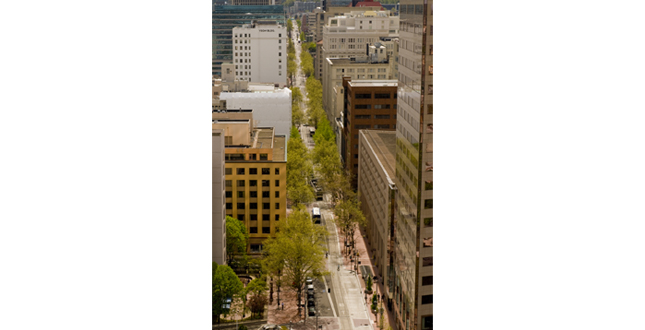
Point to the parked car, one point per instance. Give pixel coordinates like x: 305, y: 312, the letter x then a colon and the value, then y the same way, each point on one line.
x: 312, y: 311
x: 311, y: 301
x: 310, y: 289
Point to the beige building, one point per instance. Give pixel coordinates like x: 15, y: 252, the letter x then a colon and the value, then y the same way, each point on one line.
x: 376, y: 66
x: 255, y: 173
x: 219, y: 216
x: 376, y: 172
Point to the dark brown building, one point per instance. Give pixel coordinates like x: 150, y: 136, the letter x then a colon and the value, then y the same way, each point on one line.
x: 367, y: 104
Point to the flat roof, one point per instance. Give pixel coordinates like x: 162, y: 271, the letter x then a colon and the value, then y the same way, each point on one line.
x: 383, y: 144
x: 373, y: 83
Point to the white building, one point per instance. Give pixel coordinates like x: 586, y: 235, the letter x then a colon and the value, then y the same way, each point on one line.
x: 260, y: 52
x: 271, y: 106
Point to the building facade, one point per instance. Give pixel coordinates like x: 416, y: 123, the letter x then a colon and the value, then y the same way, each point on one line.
x: 219, y: 216
x: 255, y: 177
x: 359, y: 67
x: 226, y: 17
x: 413, y: 255
x: 377, y: 190
x: 260, y: 52
x: 368, y: 104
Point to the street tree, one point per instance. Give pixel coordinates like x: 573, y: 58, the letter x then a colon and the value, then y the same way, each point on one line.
x: 349, y: 216
x: 257, y: 289
x: 299, y: 168
x: 237, y: 238
x: 226, y: 285
x: 299, y: 245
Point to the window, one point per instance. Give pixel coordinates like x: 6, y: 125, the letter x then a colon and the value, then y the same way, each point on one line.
x: 426, y: 322
x: 265, y: 206
x: 427, y: 261
x: 240, y: 171
x: 381, y: 126
x: 265, y: 171
x: 277, y: 206
x: 265, y: 194
x: 277, y: 217
x: 253, y: 170
x: 265, y: 217
x: 383, y: 116
x: 253, y: 183
x: 427, y: 242
x: 426, y: 280
x: 362, y: 106
x: 254, y: 217
x: 279, y: 35
x: 426, y: 299
x: 428, y: 203
x: 240, y: 194
x: 355, y: 156
x: 277, y: 183
x: 240, y: 205
x: 229, y: 194
x: 253, y: 206
x: 362, y: 117
x: 229, y: 206
x: 240, y: 183
x: 362, y: 126
x: 279, y: 54
x: 363, y: 96
x: 264, y: 156
x: 253, y: 230
x: 253, y: 157
x: 427, y: 222
x: 428, y: 185
x: 382, y: 96
x: 382, y: 106
x: 277, y: 171
x: 277, y: 194
x: 266, y: 230
x: 256, y: 247
x: 228, y: 171
x: 265, y: 183
x: 429, y: 109
x: 229, y: 183
x: 253, y: 194
x: 240, y: 217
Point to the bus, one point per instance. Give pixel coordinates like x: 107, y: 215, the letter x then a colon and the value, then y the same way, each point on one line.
x: 315, y: 215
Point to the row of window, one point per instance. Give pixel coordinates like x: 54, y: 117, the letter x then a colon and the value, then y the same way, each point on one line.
x: 243, y: 157
x: 248, y: 35
x: 252, y: 183
x: 252, y: 206
x: 252, y: 194
x: 254, y: 217
x: 265, y: 230
x: 252, y: 170
x: 369, y: 126
x: 376, y: 95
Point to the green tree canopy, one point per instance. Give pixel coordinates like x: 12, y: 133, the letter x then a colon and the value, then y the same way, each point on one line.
x: 236, y: 238
x: 299, y: 246
x: 225, y: 285
x: 299, y: 168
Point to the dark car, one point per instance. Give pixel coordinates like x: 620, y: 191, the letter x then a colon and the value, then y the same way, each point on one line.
x: 312, y: 311
x: 311, y: 302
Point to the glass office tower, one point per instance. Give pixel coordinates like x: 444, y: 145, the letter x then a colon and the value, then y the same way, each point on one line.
x: 412, y: 264
x: 226, y: 17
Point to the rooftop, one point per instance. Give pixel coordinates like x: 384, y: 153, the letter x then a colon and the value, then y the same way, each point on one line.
x: 383, y: 144
x: 373, y: 83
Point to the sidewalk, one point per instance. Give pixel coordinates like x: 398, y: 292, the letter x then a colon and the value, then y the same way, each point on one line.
x: 365, y: 257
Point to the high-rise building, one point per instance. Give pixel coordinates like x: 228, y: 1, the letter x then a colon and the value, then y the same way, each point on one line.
x: 373, y: 66
x: 377, y: 190
x: 226, y: 17
x: 260, y: 52
x: 255, y: 176
x: 219, y: 216
x: 368, y: 104
x: 412, y: 282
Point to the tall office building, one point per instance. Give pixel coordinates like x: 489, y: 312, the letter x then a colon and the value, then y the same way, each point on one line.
x: 255, y: 172
x: 260, y: 52
x: 226, y: 17
x: 412, y: 264
x: 219, y: 217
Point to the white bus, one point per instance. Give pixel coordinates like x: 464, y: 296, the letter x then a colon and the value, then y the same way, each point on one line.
x: 315, y: 215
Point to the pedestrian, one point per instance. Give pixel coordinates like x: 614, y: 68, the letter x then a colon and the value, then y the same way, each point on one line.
x: 283, y: 305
